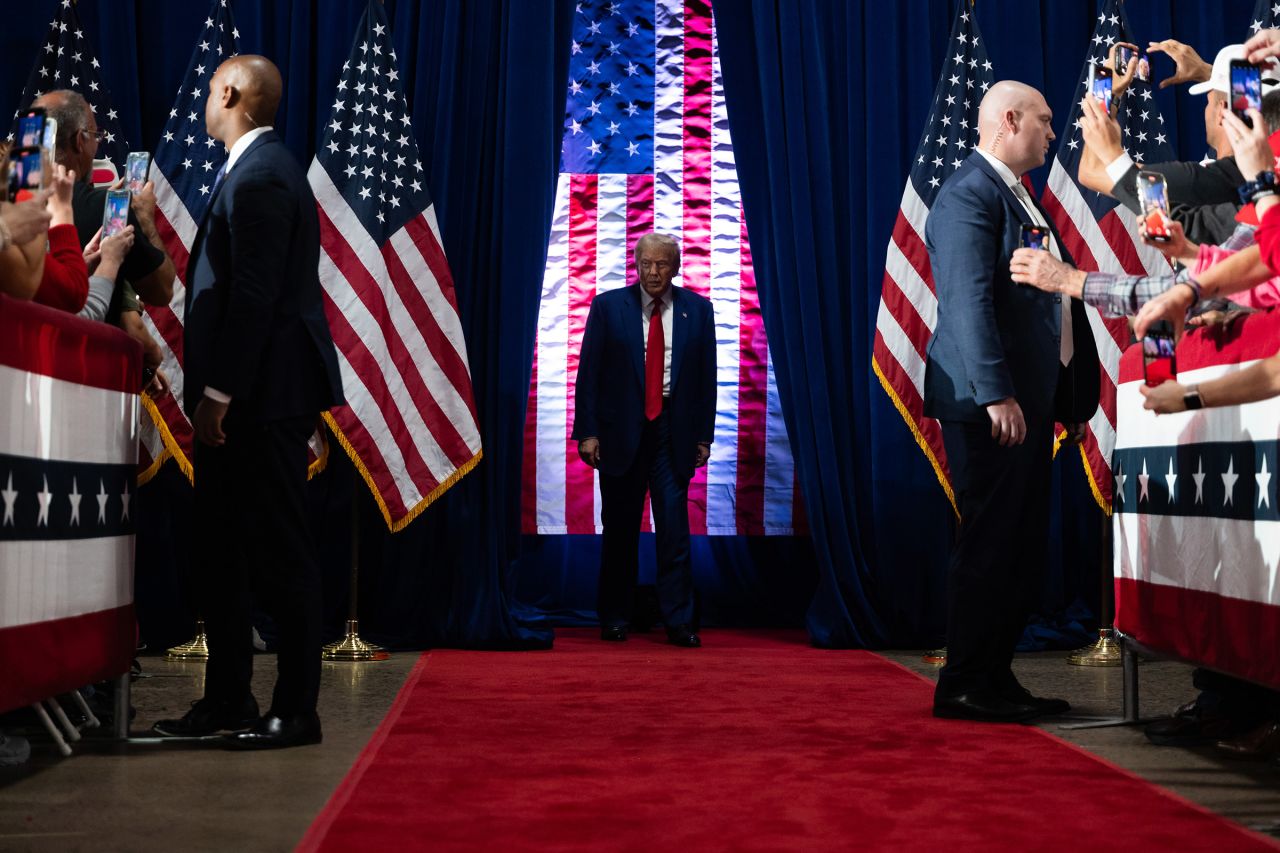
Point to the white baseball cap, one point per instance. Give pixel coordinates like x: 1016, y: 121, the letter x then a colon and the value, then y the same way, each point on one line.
x: 1220, y: 79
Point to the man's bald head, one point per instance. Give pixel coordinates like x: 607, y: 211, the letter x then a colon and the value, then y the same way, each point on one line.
x: 244, y: 93
x: 1014, y: 125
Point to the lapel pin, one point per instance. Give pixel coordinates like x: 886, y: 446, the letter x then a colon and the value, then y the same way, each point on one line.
x: 682, y: 314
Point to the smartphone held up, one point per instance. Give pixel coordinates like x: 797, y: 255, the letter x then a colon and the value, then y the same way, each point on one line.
x: 1035, y: 237
x: 1159, y: 355
x: 1246, y: 89
x: 1101, y: 87
x: 1155, y: 206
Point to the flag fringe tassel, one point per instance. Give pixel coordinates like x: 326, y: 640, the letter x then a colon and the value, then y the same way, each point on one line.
x: 919, y: 436
x: 171, y: 447
x: 417, y: 509
x: 1093, y: 484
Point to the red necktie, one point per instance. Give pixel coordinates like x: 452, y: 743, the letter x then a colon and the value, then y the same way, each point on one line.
x: 654, y: 356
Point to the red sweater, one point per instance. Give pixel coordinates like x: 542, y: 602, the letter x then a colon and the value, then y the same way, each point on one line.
x: 65, y: 283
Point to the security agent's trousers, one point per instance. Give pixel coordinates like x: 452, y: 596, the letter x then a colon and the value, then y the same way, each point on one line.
x: 253, y: 537
x: 997, y: 562
x: 622, y: 503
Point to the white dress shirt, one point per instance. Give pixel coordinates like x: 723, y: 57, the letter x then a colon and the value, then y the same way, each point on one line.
x: 1066, y: 346
x: 646, y: 311
x: 236, y: 152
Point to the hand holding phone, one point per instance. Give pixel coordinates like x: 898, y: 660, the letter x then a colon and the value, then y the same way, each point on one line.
x: 1159, y: 355
x: 1101, y: 88
x: 1154, y: 196
x: 115, y: 214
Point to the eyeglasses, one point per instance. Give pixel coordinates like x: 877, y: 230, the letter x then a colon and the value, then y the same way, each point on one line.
x: 100, y: 135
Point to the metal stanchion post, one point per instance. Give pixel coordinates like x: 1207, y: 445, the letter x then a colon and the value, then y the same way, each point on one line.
x: 121, y: 724
x: 351, y: 647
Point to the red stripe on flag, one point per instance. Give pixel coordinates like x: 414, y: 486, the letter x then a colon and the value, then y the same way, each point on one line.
x: 753, y: 397
x: 529, y: 465
x: 43, y: 659
x: 912, y: 246
x: 1121, y: 241
x: 173, y: 244
x: 371, y: 457
x: 902, y: 310
x: 370, y: 294
x: 695, y: 267
x: 1071, y: 236
x: 911, y: 401
x: 579, y: 479
x: 371, y: 373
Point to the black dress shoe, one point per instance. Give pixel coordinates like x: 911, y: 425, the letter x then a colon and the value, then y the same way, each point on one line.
x: 983, y: 707
x: 210, y: 716
x: 614, y: 633
x: 683, y: 636
x: 272, y: 732
x: 1047, y: 707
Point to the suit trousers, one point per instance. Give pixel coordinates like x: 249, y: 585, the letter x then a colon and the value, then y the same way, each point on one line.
x: 622, y: 503
x: 254, y: 537
x: 998, y: 560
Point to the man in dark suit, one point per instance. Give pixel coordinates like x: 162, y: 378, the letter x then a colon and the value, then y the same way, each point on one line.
x: 1005, y: 362
x: 645, y: 412
x: 260, y: 366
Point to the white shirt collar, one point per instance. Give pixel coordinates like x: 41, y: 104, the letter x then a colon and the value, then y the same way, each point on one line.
x: 1002, y: 170
x: 237, y: 150
x: 646, y: 300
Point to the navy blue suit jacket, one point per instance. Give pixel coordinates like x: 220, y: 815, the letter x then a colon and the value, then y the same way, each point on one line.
x: 995, y: 338
x: 609, y: 397
x: 255, y: 324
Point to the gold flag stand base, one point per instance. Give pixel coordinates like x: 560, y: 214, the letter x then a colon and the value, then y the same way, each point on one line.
x: 197, y: 648
x: 935, y: 657
x: 1105, y: 652
x: 352, y: 648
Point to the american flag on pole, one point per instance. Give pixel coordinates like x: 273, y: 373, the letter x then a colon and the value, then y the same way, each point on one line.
x: 1266, y: 14
x: 409, y: 423
x: 647, y: 148
x: 66, y: 61
x: 1102, y: 235
x: 186, y: 161
x: 908, y: 302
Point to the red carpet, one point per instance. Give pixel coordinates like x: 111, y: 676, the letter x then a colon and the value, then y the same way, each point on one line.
x: 754, y: 742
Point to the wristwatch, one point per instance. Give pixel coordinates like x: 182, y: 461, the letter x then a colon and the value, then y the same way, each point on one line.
x: 1191, y: 399
x: 1263, y: 185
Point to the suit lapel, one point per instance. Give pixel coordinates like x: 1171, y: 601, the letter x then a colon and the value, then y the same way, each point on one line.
x: 632, y: 328
x: 1012, y: 201
x: 679, y: 332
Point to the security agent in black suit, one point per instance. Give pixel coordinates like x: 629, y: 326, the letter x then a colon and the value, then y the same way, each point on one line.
x: 260, y: 367
x: 1005, y: 362
x: 644, y: 416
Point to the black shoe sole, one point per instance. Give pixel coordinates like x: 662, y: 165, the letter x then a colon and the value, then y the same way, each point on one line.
x: 956, y: 714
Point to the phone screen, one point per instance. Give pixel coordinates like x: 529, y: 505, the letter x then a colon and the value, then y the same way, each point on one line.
x: 135, y: 170
x: 1102, y: 86
x: 1035, y: 237
x: 31, y: 129
x: 49, y: 139
x: 1124, y: 54
x: 115, y: 214
x: 1155, y: 205
x: 26, y: 173
x: 1159, y: 357
x: 1246, y: 89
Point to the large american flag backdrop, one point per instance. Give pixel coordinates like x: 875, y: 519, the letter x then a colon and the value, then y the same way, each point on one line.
x: 1266, y: 14
x: 186, y: 162
x: 647, y: 147
x: 68, y: 451
x: 67, y: 61
x: 1198, y: 513
x: 1103, y: 235
x: 409, y: 423
x: 908, y: 310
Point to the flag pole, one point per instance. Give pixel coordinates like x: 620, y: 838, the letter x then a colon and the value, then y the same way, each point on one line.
x: 352, y: 648
x: 1106, y: 650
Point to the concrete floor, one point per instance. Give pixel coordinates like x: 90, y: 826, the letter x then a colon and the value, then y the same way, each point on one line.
x: 165, y: 798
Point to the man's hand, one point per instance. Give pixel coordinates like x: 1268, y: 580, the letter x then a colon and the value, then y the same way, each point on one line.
x: 1042, y: 270
x: 1189, y: 67
x: 144, y: 204
x: 1264, y: 45
x: 1008, y: 426
x: 1206, y: 319
x: 27, y: 220
x: 704, y: 453
x: 108, y: 254
x: 1177, y: 247
x: 1250, y: 144
x: 61, y: 185
x: 1172, y: 305
x: 159, y: 385
x: 208, y: 421
x: 1100, y: 131
x: 1164, y: 399
x: 1075, y: 434
x: 1122, y: 78
x: 589, y: 451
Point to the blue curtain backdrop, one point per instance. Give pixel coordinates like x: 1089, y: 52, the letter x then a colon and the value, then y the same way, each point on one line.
x: 826, y: 101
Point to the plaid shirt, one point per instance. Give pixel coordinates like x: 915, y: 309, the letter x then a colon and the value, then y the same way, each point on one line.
x: 1122, y: 295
